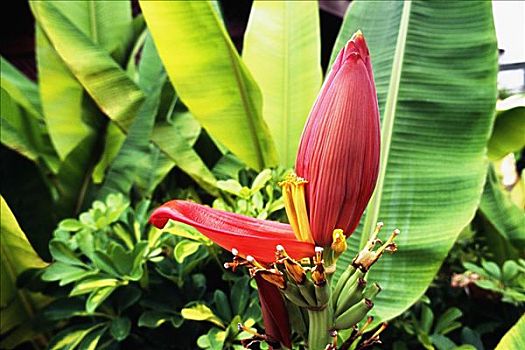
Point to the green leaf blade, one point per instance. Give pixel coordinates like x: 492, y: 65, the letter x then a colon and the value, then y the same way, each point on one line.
x: 436, y: 87
x: 210, y: 78
x: 107, y: 83
x: 17, y: 255
x: 282, y: 50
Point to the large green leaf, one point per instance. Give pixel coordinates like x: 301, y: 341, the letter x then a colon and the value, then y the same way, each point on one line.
x: 134, y: 152
x: 74, y: 176
x: 20, y: 88
x: 282, y: 50
x: 514, y: 339
x: 435, y: 67
x: 114, y: 138
x: 159, y: 166
x: 61, y: 97
x: 17, y: 306
x: 506, y: 221
x: 23, y: 127
x: 175, y: 132
x: 12, y: 134
x: 509, y: 128
x: 210, y: 78
x: 70, y: 115
x: 64, y: 104
x: 80, y: 56
x: 109, y: 86
x: 109, y: 25
x: 183, y: 154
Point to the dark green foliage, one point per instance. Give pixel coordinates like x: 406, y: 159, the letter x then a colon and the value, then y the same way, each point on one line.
x: 115, y: 280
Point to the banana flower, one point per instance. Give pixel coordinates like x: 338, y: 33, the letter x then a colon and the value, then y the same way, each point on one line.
x: 336, y: 171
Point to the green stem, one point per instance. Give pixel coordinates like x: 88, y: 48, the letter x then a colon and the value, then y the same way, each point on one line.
x: 320, y: 324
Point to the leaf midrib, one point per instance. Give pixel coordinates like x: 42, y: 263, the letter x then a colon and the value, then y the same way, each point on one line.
x: 93, y: 21
x: 374, y: 206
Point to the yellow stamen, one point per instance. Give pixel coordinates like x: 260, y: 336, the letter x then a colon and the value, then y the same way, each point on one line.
x: 290, y: 210
x: 295, y: 205
x: 339, y: 242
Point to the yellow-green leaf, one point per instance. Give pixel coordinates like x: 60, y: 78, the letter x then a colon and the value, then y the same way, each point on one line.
x: 210, y: 77
x: 18, y: 306
x: 509, y: 129
x: 201, y: 312
x: 107, y: 83
x: 282, y: 49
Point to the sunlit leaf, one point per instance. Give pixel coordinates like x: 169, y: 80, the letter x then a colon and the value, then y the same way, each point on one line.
x: 18, y: 306
x: 282, y: 49
x: 184, y: 249
x: 113, y: 91
x: 505, y: 221
x: 201, y: 312
x: 210, y: 78
x: 509, y: 128
x: 435, y: 66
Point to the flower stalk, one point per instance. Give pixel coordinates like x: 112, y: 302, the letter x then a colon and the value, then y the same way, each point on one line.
x: 319, y: 328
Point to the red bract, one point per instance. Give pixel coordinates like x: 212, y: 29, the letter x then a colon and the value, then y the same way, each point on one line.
x: 275, y: 316
x: 247, y: 235
x: 339, y: 150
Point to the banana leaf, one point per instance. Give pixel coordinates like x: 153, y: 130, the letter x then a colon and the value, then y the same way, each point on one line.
x: 18, y: 306
x: 435, y: 66
x: 282, y: 49
x: 210, y: 78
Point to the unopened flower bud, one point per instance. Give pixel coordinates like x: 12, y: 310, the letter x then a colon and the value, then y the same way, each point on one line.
x: 340, y: 144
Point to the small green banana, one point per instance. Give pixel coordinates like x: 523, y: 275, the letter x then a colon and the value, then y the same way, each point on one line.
x: 353, y: 315
x: 292, y: 293
x: 349, y: 271
x: 349, y: 289
x: 308, y: 292
x: 372, y: 291
x: 322, y: 294
x: 350, y: 297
